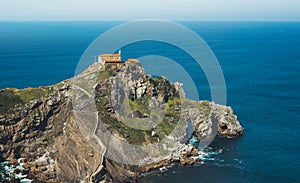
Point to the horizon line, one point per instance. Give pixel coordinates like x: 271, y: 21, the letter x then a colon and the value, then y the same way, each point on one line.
x: 129, y: 20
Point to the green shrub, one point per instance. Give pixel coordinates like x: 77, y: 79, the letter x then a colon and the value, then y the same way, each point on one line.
x: 204, y: 107
x: 103, y: 75
x: 11, y: 97
x: 8, y: 100
x: 141, y: 104
x: 30, y: 94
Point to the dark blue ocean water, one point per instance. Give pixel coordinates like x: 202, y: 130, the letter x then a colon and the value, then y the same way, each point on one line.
x: 261, y: 65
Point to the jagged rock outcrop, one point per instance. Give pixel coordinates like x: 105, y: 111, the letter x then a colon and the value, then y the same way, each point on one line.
x: 207, y: 117
x: 210, y: 118
x: 45, y: 132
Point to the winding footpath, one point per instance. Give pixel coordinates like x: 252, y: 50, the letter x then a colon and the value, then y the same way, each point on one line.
x: 103, y: 147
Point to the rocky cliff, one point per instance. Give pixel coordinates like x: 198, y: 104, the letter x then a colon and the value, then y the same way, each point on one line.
x: 44, y: 133
x: 51, y: 128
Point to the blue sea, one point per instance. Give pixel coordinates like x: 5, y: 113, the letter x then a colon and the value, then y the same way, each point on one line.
x: 261, y: 66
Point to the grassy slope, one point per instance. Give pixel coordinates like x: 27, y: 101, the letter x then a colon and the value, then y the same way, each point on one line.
x: 11, y: 97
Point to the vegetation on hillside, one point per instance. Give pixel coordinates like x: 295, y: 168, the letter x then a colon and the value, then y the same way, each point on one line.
x: 135, y: 136
x: 11, y: 97
x: 8, y: 100
x: 204, y: 107
x: 140, y: 104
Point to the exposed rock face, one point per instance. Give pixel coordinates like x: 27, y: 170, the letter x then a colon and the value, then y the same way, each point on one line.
x: 228, y: 125
x: 211, y: 118
x: 131, y: 81
x: 32, y: 123
x: 45, y: 132
x: 120, y: 173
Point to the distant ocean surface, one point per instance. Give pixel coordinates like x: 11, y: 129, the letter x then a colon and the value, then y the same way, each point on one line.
x: 261, y: 65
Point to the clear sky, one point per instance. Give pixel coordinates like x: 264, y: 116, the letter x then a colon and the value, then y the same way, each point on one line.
x: 257, y: 10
